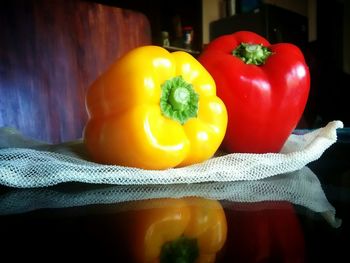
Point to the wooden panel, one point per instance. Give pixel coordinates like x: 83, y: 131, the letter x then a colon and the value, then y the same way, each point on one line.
x: 50, y: 52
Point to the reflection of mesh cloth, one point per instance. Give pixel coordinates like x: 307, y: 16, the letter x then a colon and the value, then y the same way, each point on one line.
x: 300, y: 187
x: 25, y: 163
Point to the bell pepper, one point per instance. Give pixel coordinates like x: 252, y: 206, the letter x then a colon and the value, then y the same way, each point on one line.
x: 173, y: 230
x: 265, y: 89
x: 268, y: 231
x: 154, y: 110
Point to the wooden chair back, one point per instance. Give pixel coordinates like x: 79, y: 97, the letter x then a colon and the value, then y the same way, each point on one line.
x: 50, y: 52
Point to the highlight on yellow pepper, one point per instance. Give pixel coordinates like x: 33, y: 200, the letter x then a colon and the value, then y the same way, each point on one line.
x: 191, y: 230
x: 154, y: 109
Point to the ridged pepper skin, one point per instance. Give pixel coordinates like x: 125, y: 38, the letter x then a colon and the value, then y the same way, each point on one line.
x: 168, y: 229
x: 154, y: 109
x: 264, y: 86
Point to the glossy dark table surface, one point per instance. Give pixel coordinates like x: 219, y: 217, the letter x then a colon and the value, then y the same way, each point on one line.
x: 33, y: 226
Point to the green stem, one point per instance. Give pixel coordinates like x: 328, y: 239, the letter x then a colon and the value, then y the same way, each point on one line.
x: 255, y: 54
x: 179, y: 98
x: 178, y: 101
x: 181, y: 250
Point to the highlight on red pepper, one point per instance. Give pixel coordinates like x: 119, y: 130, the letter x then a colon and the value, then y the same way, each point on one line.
x: 154, y: 110
x: 164, y: 230
x: 264, y: 86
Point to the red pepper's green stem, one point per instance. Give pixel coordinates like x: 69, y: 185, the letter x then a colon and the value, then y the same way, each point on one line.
x: 178, y: 101
x: 252, y: 53
x: 181, y: 250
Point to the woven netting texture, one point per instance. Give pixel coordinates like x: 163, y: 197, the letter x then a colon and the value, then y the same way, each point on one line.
x: 301, y: 187
x: 26, y: 163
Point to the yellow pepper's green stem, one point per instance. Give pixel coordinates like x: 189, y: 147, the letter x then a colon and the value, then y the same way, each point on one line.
x: 181, y: 250
x: 178, y: 101
x: 179, y: 98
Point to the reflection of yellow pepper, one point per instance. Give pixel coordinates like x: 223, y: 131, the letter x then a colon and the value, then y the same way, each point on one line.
x: 167, y: 230
x: 154, y: 109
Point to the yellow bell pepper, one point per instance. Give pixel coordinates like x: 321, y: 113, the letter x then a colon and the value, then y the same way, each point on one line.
x: 154, y: 110
x: 191, y: 230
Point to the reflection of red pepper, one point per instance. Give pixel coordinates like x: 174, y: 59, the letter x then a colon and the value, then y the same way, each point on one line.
x: 268, y: 234
x: 264, y: 87
x: 162, y: 230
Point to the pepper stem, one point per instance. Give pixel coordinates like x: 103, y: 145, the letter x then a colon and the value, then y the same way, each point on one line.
x: 179, y: 97
x: 181, y: 250
x: 252, y: 53
x: 178, y: 101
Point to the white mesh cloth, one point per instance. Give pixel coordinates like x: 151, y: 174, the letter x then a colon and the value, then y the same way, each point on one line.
x: 301, y: 187
x: 26, y: 163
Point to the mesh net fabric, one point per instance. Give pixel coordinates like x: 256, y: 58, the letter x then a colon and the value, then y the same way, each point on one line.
x: 301, y: 187
x: 26, y: 163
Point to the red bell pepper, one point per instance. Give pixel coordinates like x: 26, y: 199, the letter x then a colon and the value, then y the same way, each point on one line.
x: 264, y: 87
x: 268, y: 231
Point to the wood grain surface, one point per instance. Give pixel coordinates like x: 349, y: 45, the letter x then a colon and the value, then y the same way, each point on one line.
x: 50, y: 52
